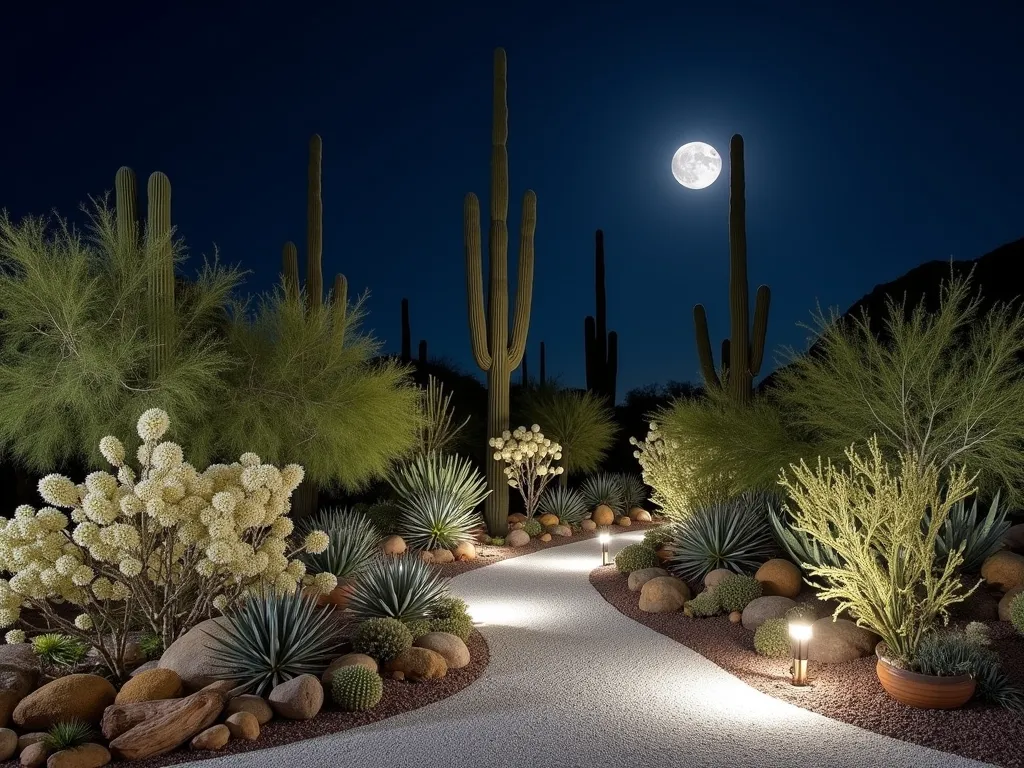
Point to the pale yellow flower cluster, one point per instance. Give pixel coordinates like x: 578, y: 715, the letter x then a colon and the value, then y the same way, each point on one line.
x: 134, y: 535
x: 529, y: 458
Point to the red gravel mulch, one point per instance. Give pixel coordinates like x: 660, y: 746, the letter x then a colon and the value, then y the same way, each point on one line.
x: 850, y: 692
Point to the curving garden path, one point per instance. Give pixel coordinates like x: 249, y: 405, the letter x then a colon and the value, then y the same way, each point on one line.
x: 574, y: 683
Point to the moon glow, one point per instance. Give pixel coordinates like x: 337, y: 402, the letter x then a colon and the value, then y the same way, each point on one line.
x: 696, y: 165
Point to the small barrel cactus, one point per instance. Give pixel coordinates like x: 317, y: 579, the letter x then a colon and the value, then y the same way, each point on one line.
x: 734, y: 594
x: 771, y: 639
x: 705, y: 604
x: 636, y: 557
x: 381, y: 639
x: 533, y: 528
x: 356, y: 688
x: 497, y: 541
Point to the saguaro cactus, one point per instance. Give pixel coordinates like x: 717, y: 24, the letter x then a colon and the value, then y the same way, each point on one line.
x: 743, y: 351
x: 160, y: 285
x: 406, y: 333
x: 493, y: 350
x: 601, y: 347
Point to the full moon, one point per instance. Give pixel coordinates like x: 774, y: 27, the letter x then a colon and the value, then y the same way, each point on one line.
x: 696, y: 165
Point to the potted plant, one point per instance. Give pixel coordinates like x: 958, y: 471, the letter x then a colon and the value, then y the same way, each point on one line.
x: 886, y: 573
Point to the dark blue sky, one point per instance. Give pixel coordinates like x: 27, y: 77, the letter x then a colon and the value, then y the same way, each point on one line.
x: 876, y: 139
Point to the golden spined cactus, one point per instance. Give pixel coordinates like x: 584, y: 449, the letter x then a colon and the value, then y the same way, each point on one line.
x: 743, y: 351
x: 314, y: 288
x: 495, y: 352
x: 160, y: 283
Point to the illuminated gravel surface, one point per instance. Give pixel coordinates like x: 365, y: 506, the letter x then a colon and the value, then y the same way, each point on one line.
x: 572, y: 682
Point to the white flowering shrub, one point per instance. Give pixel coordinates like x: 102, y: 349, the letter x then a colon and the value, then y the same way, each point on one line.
x: 163, y: 547
x: 667, y: 469
x: 529, y: 462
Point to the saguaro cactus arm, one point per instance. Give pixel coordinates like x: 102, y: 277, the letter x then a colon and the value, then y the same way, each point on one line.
x: 126, y: 204
x: 704, y: 353
x: 760, y: 331
x: 475, y: 282
x: 290, y: 270
x: 524, y: 280
x: 161, y: 282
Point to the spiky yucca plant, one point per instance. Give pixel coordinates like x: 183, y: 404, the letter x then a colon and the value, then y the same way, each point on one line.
x: 732, y: 535
x: 353, y: 543
x: 272, y: 638
x: 979, y: 538
x: 603, y: 488
x: 59, y: 650
x: 567, y: 504
x: 68, y: 734
x: 403, y: 588
x: 438, y: 496
x: 634, y: 492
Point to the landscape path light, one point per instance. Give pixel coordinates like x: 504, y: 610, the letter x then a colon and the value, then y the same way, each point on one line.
x: 605, y: 539
x: 800, y: 640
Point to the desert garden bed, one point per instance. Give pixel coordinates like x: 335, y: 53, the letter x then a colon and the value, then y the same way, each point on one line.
x: 850, y: 691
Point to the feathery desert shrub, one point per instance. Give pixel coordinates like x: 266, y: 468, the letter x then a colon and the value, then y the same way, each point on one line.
x: 581, y: 422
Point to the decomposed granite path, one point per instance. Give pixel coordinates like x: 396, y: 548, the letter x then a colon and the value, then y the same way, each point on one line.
x: 573, y: 683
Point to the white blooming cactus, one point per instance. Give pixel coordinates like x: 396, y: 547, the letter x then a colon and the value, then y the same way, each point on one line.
x: 163, y: 548
x: 529, y: 458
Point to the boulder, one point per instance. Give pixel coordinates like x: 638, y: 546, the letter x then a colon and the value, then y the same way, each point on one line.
x: 213, y: 738
x: 780, y: 578
x: 759, y: 610
x: 153, y: 685
x: 8, y: 744
x: 33, y: 737
x: 192, y: 654
x: 603, y: 515
x: 452, y: 649
x: 518, y: 538
x: 15, y: 685
x: 1013, y: 539
x: 243, y: 725
x: 297, y: 699
x: 393, y: 545
x: 34, y: 755
x: 624, y: 522
x: 547, y: 520
x: 833, y: 642
x: 20, y: 657
x: 637, y: 579
x: 1004, y: 570
x: 1004, y: 602
x: 252, y: 704
x: 716, y: 577
x: 348, y: 660
x: 545, y: 537
x: 465, y: 550
x: 154, y: 664
x: 562, y: 530
x: 85, y: 756
x: 418, y: 664
x: 441, y: 556
x: 72, y: 697
x: 172, y: 723
x: 588, y: 525
x: 663, y: 594
x: 640, y: 515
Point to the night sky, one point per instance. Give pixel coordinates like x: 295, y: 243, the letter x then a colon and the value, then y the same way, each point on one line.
x: 875, y: 140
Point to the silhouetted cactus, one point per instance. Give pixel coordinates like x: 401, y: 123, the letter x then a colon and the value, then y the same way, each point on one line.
x: 423, y: 352
x: 493, y: 350
x: 406, y: 333
x: 160, y: 285
x: 743, y: 351
x: 601, y: 347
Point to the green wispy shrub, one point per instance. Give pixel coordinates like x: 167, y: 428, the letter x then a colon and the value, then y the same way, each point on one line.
x: 581, y: 422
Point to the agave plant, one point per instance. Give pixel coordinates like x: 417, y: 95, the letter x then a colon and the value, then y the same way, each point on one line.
x: 567, y: 504
x: 68, y: 734
x: 734, y: 534
x: 271, y: 638
x: 403, y: 588
x: 979, y: 539
x: 59, y: 650
x: 353, y: 543
x: 801, y: 548
x: 603, y: 488
x: 438, y: 496
x: 634, y: 492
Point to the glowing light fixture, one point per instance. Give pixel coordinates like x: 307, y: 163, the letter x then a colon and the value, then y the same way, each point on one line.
x: 605, y: 539
x: 800, y: 640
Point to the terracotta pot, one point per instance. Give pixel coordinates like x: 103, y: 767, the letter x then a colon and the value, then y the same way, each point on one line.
x: 339, y: 596
x: 925, y: 691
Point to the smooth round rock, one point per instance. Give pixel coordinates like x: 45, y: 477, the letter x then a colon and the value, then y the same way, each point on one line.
x: 735, y: 617
x: 545, y: 537
x: 624, y: 522
x: 603, y: 515
x: 255, y: 705
x: 663, y: 594
x: 85, y: 756
x: 518, y: 538
x: 588, y: 525
x: 780, y: 578
x: 393, y: 545
x: 297, y: 699
x: 348, y: 660
x: 72, y: 697
x: 716, y: 577
x: 833, y: 642
x: 243, y: 725
x: 8, y: 743
x: 759, y: 610
x: 562, y: 530
x: 637, y: 579
x: 34, y: 755
x: 1004, y: 570
x: 154, y: 685
x: 547, y: 520
x: 465, y: 550
x: 418, y: 664
x: 441, y: 556
x: 454, y: 652
x: 192, y: 654
x: 213, y: 738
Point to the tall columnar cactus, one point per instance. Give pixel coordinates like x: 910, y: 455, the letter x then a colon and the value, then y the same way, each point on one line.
x: 601, y: 347
x: 160, y: 285
x: 423, y: 352
x: 406, y: 333
x: 743, y: 351
x: 493, y: 350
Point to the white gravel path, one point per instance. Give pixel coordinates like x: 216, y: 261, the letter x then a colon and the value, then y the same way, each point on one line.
x: 573, y: 683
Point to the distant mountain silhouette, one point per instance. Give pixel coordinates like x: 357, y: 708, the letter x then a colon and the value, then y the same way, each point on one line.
x: 996, y: 275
